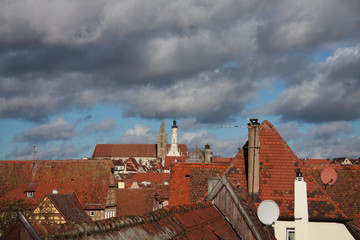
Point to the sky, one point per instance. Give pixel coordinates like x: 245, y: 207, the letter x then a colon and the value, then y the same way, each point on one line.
x: 76, y: 73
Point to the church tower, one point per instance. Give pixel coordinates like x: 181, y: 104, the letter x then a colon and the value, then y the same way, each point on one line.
x: 174, y: 151
x: 162, y: 141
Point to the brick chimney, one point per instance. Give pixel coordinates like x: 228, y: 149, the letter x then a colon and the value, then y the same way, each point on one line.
x: 253, y: 159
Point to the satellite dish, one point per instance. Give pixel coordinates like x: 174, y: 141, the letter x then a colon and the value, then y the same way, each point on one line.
x: 328, y: 176
x: 268, y: 212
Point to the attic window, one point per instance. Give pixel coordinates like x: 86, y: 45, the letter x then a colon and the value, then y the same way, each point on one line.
x: 187, y: 175
x: 29, y: 194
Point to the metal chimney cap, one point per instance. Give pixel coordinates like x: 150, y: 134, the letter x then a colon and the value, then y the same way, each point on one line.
x: 298, y: 173
x: 253, y: 121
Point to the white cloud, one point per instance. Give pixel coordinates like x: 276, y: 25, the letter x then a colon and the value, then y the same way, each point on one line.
x: 59, y: 129
x: 139, y: 134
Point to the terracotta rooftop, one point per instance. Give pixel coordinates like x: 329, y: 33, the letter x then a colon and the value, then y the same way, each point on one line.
x: 313, y: 162
x: 170, y: 160
x: 130, y: 150
x: 278, y: 164
x: 124, y: 150
x: 345, y: 191
x: 89, y: 179
x: 153, y: 178
x: 196, y: 221
x: 134, y: 202
x: 222, y: 160
x: 189, y: 181
x: 69, y: 207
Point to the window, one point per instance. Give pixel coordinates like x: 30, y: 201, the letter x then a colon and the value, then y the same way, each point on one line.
x: 92, y: 213
x: 290, y: 234
x: 29, y: 194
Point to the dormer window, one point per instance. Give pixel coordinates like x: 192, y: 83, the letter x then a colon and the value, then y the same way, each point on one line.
x: 29, y: 194
x: 30, y: 189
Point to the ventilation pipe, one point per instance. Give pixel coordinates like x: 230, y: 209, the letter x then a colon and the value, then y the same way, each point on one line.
x: 253, y: 159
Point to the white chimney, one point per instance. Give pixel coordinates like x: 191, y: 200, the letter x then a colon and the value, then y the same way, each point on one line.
x: 301, y: 207
x: 55, y: 191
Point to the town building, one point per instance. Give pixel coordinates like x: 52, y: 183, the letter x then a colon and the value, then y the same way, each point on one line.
x: 267, y: 169
x: 92, y: 181
x: 58, y: 209
x: 145, y: 154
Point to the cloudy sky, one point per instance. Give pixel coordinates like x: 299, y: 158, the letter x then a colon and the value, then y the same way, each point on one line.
x: 77, y: 73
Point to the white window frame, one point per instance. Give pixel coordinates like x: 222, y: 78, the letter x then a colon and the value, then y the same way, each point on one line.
x: 289, y: 230
x: 30, y: 194
x: 92, y: 213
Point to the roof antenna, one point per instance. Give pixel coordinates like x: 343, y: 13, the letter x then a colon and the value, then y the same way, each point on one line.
x: 34, y: 152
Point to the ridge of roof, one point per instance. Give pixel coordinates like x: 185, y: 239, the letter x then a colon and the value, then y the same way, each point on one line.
x: 277, y: 161
x: 191, y: 221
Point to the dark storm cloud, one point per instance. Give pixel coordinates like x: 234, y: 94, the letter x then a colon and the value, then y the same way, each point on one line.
x: 157, y: 57
x: 328, y: 92
x: 329, y: 140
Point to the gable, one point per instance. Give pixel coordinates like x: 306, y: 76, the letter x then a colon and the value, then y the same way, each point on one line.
x: 278, y: 165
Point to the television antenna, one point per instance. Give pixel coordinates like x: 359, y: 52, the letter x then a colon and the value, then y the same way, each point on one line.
x: 268, y: 212
x: 251, y: 122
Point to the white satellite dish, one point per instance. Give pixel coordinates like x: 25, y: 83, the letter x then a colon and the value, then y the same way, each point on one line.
x: 268, y: 212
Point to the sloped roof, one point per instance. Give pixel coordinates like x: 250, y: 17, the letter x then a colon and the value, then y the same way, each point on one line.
x: 69, y: 206
x: 131, y: 150
x: 313, y: 162
x: 345, y: 191
x: 278, y: 164
x: 169, y: 160
x: 89, y: 179
x: 189, y: 181
x: 196, y: 221
x: 154, y: 178
x: 124, y: 150
x: 222, y: 160
x: 134, y: 202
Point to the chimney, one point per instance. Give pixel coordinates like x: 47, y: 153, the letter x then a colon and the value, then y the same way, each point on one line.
x: 208, y: 154
x: 253, y: 159
x: 55, y: 191
x: 300, y: 207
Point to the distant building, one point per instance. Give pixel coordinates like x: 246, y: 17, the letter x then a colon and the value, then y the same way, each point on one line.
x: 145, y: 154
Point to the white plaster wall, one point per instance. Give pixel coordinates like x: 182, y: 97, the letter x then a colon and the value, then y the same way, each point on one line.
x: 316, y: 230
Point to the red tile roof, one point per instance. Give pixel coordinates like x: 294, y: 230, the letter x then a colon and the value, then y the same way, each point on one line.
x: 313, y: 162
x: 345, y: 191
x: 189, y: 181
x: 70, y: 207
x: 89, y: 179
x: 196, y: 221
x: 170, y: 160
x: 124, y: 150
x: 222, y: 160
x: 154, y: 178
x: 130, y: 150
x: 134, y: 202
x: 278, y: 164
